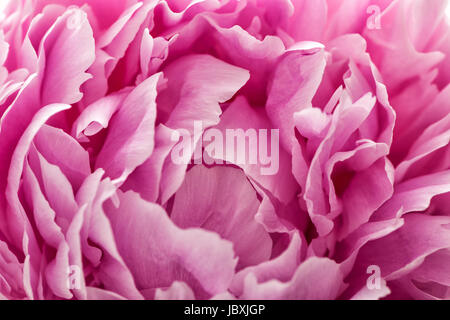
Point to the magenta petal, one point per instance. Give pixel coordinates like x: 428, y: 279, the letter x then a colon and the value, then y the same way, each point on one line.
x: 94, y: 293
x: 11, y: 273
x: 56, y: 187
x: 434, y: 268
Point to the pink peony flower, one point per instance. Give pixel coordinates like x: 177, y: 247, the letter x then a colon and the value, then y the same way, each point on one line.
x: 225, y: 149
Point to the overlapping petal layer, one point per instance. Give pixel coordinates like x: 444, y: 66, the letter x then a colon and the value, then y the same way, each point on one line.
x: 342, y: 170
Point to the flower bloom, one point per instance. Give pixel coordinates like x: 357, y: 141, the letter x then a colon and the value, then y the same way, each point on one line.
x: 340, y: 188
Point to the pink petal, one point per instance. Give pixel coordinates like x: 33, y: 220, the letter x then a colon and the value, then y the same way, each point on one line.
x: 55, y: 146
x: 66, y: 50
x: 278, y: 179
x: 177, y: 291
x: 97, y: 115
x: 281, y: 268
x: 165, y: 252
x: 292, y: 92
x: 414, y: 195
x: 314, y: 279
x: 98, y: 241
x: 147, y: 177
x: 130, y: 139
x: 181, y: 104
x: 226, y: 203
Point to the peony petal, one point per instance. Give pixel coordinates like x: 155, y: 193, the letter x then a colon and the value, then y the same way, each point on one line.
x: 314, y: 279
x: 19, y: 223
x: 97, y: 115
x: 56, y: 188
x: 55, y: 146
x: 291, y: 92
x: 147, y: 177
x: 182, y: 103
x: 275, y: 175
x: 94, y: 293
x: 434, y: 268
x: 66, y: 50
x: 226, y: 203
x: 97, y: 238
x: 424, y: 151
x: 403, y: 250
x: 165, y: 252
x: 130, y: 139
x: 281, y: 268
x: 177, y: 291
x: 414, y: 195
